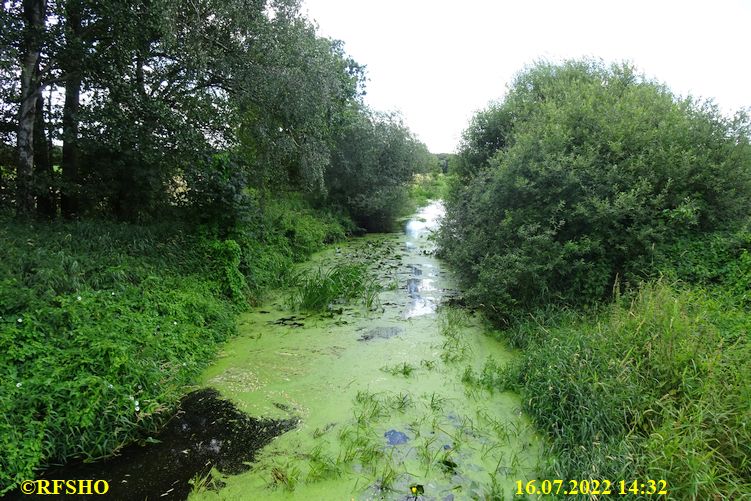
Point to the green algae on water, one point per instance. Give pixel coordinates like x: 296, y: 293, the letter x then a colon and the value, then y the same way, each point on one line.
x: 379, y: 395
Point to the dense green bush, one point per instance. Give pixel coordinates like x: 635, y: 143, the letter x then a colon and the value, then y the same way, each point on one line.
x: 579, y: 175
x: 720, y: 260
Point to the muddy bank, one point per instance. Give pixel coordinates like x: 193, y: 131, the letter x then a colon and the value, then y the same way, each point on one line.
x: 206, y: 432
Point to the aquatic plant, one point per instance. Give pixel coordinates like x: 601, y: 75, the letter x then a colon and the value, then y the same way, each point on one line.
x: 326, y: 288
x: 322, y: 465
x: 403, y: 369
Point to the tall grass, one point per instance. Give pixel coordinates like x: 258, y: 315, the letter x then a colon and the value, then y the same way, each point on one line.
x: 649, y: 387
x: 325, y: 288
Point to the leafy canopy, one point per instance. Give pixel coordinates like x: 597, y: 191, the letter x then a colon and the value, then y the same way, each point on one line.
x: 574, y: 181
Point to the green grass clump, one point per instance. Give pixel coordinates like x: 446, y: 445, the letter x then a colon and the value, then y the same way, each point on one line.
x: 403, y: 369
x: 322, y: 289
x: 454, y: 347
x: 649, y: 387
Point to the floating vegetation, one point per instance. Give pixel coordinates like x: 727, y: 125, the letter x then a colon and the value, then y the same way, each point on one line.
x: 385, y: 413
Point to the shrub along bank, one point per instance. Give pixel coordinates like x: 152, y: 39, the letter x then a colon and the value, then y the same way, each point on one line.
x: 583, y: 182
x: 102, y: 324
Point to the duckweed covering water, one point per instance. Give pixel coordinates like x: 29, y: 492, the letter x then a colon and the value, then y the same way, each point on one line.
x: 378, y: 393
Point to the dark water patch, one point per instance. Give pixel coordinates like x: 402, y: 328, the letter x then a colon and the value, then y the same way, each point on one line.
x: 396, y: 437
x: 206, y: 432
x: 448, y: 466
x: 380, y: 333
x: 292, y: 321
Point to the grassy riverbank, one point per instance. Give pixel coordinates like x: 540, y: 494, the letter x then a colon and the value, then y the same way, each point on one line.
x: 653, y: 386
x: 103, y: 324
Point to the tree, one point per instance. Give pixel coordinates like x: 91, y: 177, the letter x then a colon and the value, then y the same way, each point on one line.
x: 597, y: 168
x: 375, y: 158
x: 294, y: 101
x: 34, y: 14
x: 72, y: 61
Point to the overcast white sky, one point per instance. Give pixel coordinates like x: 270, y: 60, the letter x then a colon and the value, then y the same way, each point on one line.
x: 438, y: 61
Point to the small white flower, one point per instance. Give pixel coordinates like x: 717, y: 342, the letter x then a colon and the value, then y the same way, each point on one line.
x: 137, y: 408
x: 20, y: 320
x: 79, y: 298
x: 136, y: 404
x: 184, y: 364
x: 132, y: 397
x: 113, y: 293
x: 110, y: 386
x: 18, y: 385
x: 175, y: 323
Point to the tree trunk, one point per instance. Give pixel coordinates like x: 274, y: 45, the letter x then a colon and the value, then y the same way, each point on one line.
x: 69, y: 196
x: 34, y: 13
x: 42, y: 164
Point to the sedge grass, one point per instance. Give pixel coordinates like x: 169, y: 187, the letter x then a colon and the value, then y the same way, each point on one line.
x: 322, y: 289
x: 649, y: 387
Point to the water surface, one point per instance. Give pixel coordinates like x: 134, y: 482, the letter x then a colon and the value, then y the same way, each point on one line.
x: 378, y: 395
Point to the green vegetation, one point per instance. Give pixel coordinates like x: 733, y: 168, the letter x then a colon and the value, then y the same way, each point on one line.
x: 403, y: 369
x: 103, y: 324
x: 655, y: 385
x: 324, y: 289
x: 579, y: 178
x: 375, y: 160
x: 602, y: 224
x: 189, y: 158
x: 428, y: 186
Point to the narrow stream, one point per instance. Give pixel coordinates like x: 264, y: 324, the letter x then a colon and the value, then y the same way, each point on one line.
x: 381, y: 407
x: 358, y: 404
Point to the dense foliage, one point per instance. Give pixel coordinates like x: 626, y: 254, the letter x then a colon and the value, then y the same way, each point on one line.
x: 103, y: 324
x: 166, y: 162
x: 575, y: 180
x: 586, y: 184
x: 375, y: 159
x: 169, y: 110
